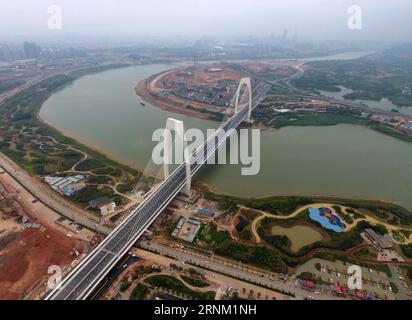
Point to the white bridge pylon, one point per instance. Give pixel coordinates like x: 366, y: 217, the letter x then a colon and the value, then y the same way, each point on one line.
x: 244, y: 82
x: 181, y: 151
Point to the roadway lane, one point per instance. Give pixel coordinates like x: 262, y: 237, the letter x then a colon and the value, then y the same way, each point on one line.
x: 235, y: 270
x: 50, y: 199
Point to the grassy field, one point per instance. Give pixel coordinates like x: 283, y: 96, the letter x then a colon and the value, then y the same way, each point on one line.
x: 280, y: 253
x: 210, y: 235
x: 285, y: 205
x: 314, y: 119
x: 194, y: 282
x: 371, y: 79
x: 390, y: 132
x: 332, y: 240
x: 42, y: 150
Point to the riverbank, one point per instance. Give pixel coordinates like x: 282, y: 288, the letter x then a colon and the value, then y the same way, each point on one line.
x: 305, y: 119
x: 148, y: 91
x: 42, y: 150
x: 135, y: 105
x: 282, y: 206
x: 58, y: 134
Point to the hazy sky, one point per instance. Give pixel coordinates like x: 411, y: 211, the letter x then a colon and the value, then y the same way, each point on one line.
x: 312, y: 19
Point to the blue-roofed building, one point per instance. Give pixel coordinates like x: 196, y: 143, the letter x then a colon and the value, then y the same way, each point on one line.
x: 204, y: 213
x: 187, y: 229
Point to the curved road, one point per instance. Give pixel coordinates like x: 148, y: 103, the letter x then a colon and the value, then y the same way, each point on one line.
x: 52, y: 200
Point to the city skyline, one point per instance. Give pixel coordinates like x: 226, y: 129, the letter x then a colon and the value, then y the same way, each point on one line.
x: 213, y: 150
x: 314, y: 20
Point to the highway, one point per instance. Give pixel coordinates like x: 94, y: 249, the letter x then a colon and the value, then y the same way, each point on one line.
x: 81, y: 282
x: 50, y: 199
x: 235, y: 270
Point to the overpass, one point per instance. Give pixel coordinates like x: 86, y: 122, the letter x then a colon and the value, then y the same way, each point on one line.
x: 82, y: 281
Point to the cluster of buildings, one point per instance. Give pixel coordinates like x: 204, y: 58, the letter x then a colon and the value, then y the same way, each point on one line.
x: 31, y: 50
x: 320, y: 106
x: 66, y: 185
x: 407, y: 90
x: 195, y: 85
x: 278, y: 107
x: 308, y: 108
x: 219, y: 95
x: 341, y: 291
x: 26, y: 72
x: 383, y: 244
x: 398, y: 122
x: 25, y: 64
x: 204, y: 214
x: 187, y: 229
x: 105, y: 205
x: 378, y: 241
x: 267, y: 68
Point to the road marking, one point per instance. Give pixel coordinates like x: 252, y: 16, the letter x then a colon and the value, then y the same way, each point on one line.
x: 108, y: 251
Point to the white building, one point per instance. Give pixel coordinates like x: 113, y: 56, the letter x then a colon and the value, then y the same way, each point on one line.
x: 107, y: 208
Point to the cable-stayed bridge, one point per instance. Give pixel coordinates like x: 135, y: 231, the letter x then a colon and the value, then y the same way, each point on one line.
x: 84, y: 279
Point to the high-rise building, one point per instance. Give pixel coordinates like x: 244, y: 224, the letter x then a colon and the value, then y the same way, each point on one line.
x: 6, y: 54
x: 285, y: 35
x: 295, y: 37
x: 31, y: 50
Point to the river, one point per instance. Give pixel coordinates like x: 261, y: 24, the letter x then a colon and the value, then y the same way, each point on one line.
x: 384, y: 104
x: 102, y: 110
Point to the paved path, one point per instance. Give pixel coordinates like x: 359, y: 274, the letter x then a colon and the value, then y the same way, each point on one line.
x: 233, y: 269
x: 73, y: 170
x: 51, y: 199
x: 224, y: 281
x: 371, y: 220
x: 264, y: 214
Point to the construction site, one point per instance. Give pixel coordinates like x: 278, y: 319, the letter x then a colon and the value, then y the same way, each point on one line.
x: 32, y: 238
x: 200, y: 90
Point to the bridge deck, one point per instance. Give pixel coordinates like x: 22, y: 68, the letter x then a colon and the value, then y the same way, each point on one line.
x: 87, y: 275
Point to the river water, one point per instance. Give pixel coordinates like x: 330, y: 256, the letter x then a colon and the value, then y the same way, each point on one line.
x: 383, y: 104
x: 102, y: 110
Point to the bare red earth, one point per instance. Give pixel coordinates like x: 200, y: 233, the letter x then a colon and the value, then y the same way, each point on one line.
x: 24, y: 262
